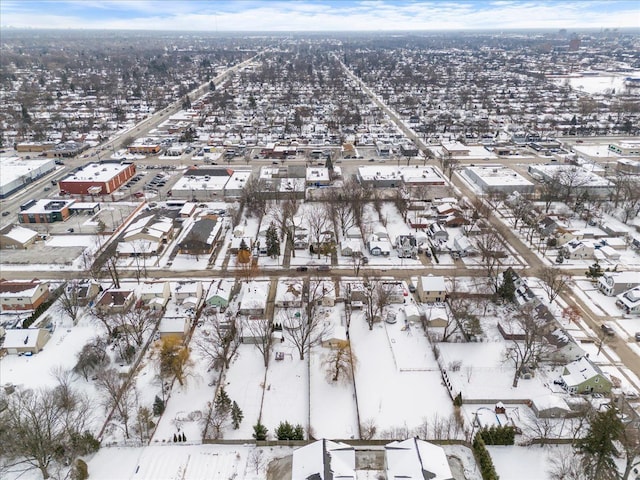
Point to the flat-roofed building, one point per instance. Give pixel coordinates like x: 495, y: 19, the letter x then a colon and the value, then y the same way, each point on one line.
x: 16, y: 173
x: 98, y: 178
x: 578, y: 179
x: 628, y: 148
x: 46, y: 211
x: 497, y: 178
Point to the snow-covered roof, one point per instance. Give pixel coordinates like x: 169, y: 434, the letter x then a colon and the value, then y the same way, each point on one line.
x: 310, y: 461
x: 21, y: 234
x: 579, y: 372
x: 432, y: 283
x: 95, y: 172
x: 21, y: 338
x: 415, y: 459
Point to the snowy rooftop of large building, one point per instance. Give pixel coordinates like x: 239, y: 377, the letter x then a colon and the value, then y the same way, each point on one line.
x: 12, y: 168
x: 97, y: 172
x: 46, y: 205
x: 494, y: 175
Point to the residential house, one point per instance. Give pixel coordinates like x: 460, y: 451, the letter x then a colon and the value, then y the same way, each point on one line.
x: 547, y: 227
x: 220, y: 293
x: 17, y: 237
x: 354, y: 233
x: 463, y: 246
x: 87, y: 290
x: 116, y: 300
x: 25, y: 340
x: 615, y: 283
x: 22, y: 294
x: 432, y: 289
x: 407, y: 246
x: 438, y: 232
x: 378, y: 246
x: 351, y: 247
x: 324, y: 460
x: 201, y: 238
x: 582, y: 376
x: 253, y: 298
x: 629, y: 301
x: 323, y: 292
x: 155, y: 295
x: 146, y: 237
x: 415, y: 459
x: 576, y: 249
x: 562, y: 347
x: 289, y: 294
x: 188, y: 294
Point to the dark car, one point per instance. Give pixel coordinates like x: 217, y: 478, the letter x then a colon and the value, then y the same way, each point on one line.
x: 5, y: 213
x: 302, y: 269
x: 412, y: 288
x: 607, y: 329
x: 324, y: 268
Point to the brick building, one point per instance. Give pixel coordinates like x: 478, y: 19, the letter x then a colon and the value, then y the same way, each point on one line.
x: 98, y: 179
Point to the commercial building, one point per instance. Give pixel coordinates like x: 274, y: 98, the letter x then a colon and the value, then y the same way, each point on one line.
x: 45, y: 211
x: 16, y: 173
x: 497, y: 178
x: 210, y: 183
x: 576, y: 179
x: 98, y: 178
x: 627, y: 149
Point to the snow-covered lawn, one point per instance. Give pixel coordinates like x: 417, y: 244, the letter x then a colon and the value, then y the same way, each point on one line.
x: 244, y: 383
x: 327, y: 422
x: 390, y: 397
x: 525, y: 463
x: 286, y: 395
x: 178, y: 462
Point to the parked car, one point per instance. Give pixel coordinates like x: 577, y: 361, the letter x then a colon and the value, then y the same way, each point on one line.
x: 302, y: 269
x: 5, y: 213
x: 324, y: 268
x: 637, y: 336
x: 412, y: 288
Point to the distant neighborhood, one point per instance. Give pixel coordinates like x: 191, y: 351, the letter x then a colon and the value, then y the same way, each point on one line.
x: 306, y: 258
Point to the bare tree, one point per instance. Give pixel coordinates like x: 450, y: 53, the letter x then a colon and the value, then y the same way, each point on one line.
x: 553, y: 281
x: 564, y: 465
x: 69, y: 301
x: 136, y: 323
x: 340, y: 363
x: 377, y: 296
x: 491, y: 252
x: 256, y: 460
x: 118, y: 396
x: 219, y: 341
x: 528, y: 345
x: 340, y: 209
x: 541, y: 429
x: 260, y: 330
x: 40, y: 429
x: 91, y: 358
x: 318, y: 222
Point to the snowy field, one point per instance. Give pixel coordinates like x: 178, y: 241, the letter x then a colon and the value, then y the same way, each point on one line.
x: 524, y: 463
x: 392, y: 398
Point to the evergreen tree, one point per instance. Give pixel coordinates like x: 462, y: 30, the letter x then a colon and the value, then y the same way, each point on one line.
x: 158, y: 406
x: 507, y: 290
x: 597, y: 447
x: 273, y: 242
x: 260, y: 431
x: 175, y: 438
x: 184, y: 438
x: 236, y: 415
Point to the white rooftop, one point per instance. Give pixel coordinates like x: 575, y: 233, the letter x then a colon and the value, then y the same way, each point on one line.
x: 95, y: 172
x: 495, y: 175
x: 415, y: 459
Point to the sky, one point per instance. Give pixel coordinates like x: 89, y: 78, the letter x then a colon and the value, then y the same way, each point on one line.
x: 319, y: 15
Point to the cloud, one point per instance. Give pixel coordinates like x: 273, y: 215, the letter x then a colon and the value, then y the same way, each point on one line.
x: 330, y: 15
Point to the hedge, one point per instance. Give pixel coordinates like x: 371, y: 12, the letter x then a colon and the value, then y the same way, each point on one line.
x: 483, y: 458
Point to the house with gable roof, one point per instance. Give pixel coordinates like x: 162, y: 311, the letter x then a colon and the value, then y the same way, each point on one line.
x: 324, y: 460
x: 582, y: 376
x: 415, y: 459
